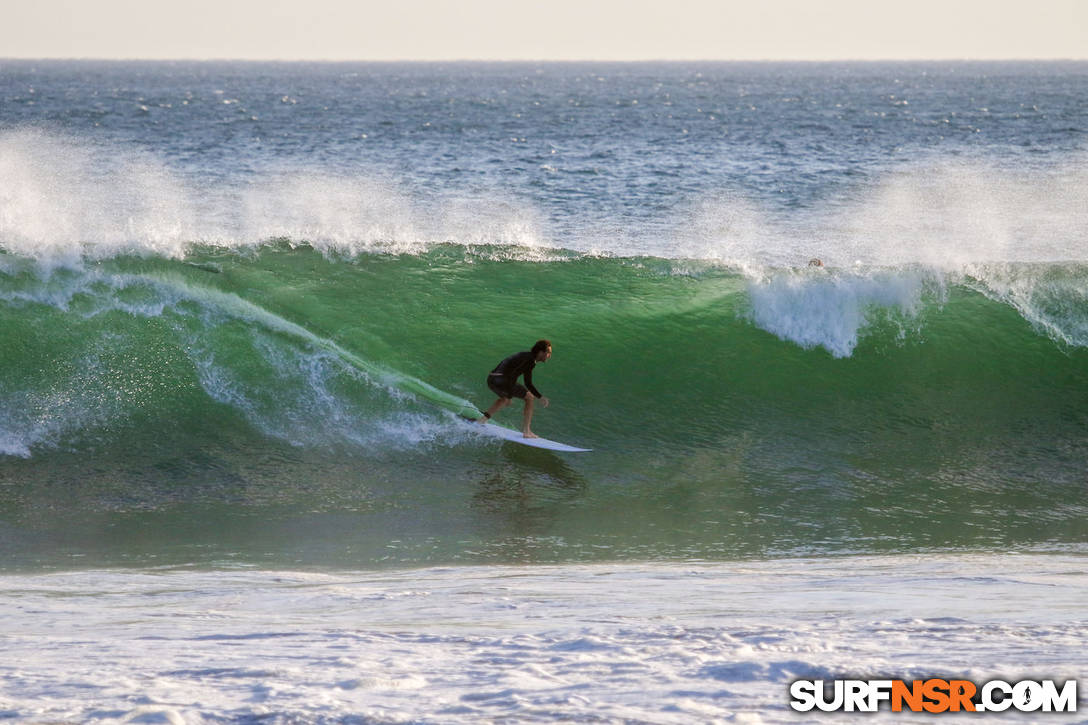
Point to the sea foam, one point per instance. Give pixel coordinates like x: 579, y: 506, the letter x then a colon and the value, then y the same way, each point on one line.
x: 664, y: 643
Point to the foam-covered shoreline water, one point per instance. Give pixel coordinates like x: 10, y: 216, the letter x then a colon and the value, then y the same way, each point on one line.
x: 69, y: 198
x: 654, y: 643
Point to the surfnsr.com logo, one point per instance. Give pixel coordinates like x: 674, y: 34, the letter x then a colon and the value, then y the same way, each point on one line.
x: 933, y: 695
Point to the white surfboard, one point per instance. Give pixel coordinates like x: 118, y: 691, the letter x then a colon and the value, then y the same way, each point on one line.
x: 515, y: 436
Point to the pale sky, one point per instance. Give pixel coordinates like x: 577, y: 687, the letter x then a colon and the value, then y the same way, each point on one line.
x: 545, y: 30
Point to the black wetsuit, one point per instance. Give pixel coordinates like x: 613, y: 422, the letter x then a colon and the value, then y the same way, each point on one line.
x: 503, y: 380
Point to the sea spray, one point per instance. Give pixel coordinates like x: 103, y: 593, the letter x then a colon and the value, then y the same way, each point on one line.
x: 66, y: 200
x: 834, y: 308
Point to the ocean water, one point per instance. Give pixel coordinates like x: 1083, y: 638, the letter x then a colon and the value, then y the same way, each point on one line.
x: 243, y: 307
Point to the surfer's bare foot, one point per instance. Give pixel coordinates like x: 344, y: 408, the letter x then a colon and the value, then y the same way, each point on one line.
x: 530, y: 434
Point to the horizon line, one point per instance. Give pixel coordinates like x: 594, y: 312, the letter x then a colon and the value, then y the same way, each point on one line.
x: 230, y: 59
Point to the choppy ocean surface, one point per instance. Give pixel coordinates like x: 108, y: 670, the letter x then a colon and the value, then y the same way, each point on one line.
x: 243, y: 305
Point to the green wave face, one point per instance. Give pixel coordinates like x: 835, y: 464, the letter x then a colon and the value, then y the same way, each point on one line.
x: 730, y: 412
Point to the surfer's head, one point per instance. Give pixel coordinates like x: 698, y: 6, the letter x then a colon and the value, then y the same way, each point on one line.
x: 542, y: 350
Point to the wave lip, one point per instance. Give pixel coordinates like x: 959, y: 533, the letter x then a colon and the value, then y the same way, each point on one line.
x: 831, y: 309
x: 1053, y: 298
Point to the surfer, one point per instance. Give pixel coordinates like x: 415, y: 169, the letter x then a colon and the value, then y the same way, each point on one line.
x: 503, y: 381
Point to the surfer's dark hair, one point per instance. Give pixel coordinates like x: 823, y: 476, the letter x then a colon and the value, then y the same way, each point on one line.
x: 541, y: 345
